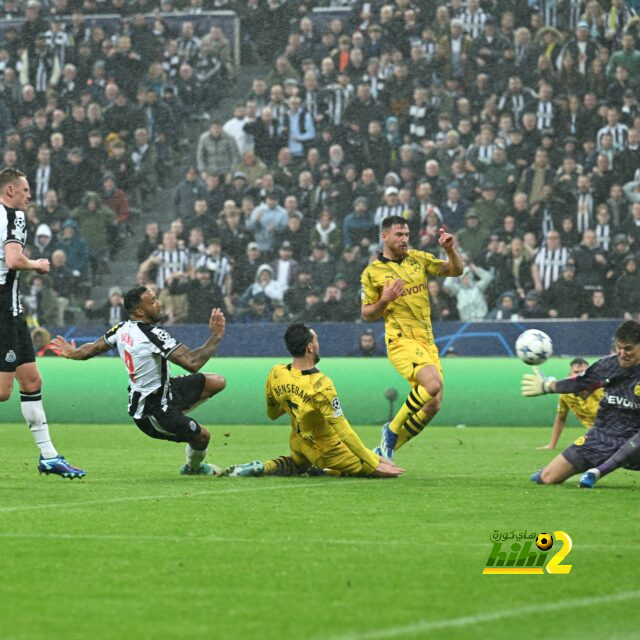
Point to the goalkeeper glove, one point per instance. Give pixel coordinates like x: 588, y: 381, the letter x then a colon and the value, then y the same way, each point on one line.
x: 536, y: 384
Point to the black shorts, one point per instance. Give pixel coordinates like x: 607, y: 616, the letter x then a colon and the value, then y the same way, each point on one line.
x: 596, y: 446
x: 171, y: 423
x: 16, y: 347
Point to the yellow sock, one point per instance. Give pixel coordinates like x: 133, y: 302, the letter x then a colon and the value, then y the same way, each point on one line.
x: 411, y: 428
x: 417, y: 398
x: 282, y: 466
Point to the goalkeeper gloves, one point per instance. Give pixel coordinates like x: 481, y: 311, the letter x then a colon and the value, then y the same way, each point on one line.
x: 536, y: 384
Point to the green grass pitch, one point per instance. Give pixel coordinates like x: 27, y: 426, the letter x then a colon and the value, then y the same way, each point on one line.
x: 136, y: 551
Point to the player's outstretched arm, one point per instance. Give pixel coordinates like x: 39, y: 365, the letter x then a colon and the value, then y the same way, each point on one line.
x: 558, y: 427
x: 453, y: 267
x: 391, y: 291
x: 17, y: 261
x: 84, y: 352
x: 194, y: 360
x: 536, y: 384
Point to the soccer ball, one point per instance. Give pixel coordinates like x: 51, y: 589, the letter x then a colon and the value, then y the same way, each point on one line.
x: 544, y: 541
x: 533, y: 346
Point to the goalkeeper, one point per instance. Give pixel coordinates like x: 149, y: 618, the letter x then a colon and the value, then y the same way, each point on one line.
x: 609, y: 444
x: 321, y: 437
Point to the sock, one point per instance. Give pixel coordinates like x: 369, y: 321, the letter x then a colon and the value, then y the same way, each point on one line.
x: 282, y: 466
x: 416, y: 400
x: 33, y: 412
x: 412, y: 427
x: 195, y: 457
x: 630, y: 449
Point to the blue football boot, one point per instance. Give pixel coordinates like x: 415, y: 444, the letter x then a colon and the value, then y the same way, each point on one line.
x: 59, y: 467
x: 589, y: 479
x: 535, y: 477
x: 388, y: 441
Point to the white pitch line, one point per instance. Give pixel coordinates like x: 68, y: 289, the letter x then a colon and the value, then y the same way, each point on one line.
x: 355, y: 542
x: 188, y: 538
x: 427, y: 626
x: 173, y: 496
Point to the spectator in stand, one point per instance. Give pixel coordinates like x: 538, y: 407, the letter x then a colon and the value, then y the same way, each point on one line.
x: 627, y: 290
x: 443, y: 306
x: 111, y: 312
x: 217, y: 152
x: 266, y: 220
x: 469, y: 292
x: 150, y: 242
x: 565, y: 297
x: 597, y: 306
x: 202, y: 292
x: 187, y: 192
x: 75, y: 250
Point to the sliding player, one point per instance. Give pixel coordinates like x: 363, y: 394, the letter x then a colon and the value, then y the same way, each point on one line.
x: 583, y: 405
x: 321, y: 437
x: 395, y: 287
x: 157, y: 402
x: 618, y: 416
x: 17, y: 358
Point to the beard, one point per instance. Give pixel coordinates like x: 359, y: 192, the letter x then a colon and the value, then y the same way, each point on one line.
x: 316, y: 358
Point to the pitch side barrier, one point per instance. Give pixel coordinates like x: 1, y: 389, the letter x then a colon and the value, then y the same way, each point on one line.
x: 490, y: 338
x: 202, y: 22
x: 477, y: 391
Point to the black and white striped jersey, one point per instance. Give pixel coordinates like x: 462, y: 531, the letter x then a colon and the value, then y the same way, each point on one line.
x: 13, y: 228
x: 550, y: 263
x: 145, y: 350
x: 172, y: 261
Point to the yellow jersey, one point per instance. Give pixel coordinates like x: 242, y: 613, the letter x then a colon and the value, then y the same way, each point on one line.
x: 409, y: 315
x: 585, y: 409
x: 311, y: 400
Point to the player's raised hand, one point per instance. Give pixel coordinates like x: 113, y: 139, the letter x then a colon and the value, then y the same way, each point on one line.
x: 217, y: 323
x: 65, y: 348
x: 392, y: 289
x: 535, y: 384
x: 445, y: 240
x: 387, y: 469
x: 42, y: 265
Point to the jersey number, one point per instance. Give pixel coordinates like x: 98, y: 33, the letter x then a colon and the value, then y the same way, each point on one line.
x: 128, y: 361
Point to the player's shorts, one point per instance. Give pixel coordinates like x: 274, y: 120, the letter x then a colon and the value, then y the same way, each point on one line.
x: 409, y: 355
x: 172, y: 424
x: 16, y: 347
x: 596, y: 446
x: 337, y: 457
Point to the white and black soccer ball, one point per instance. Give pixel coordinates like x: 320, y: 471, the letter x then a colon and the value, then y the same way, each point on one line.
x: 534, y: 346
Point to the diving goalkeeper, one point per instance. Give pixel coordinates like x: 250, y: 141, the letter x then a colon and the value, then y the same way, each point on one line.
x: 609, y: 444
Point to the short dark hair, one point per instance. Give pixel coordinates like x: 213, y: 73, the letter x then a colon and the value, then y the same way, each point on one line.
x: 387, y: 223
x: 297, y: 337
x: 133, y: 298
x: 9, y: 175
x: 576, y: 361
x: 628, y: 331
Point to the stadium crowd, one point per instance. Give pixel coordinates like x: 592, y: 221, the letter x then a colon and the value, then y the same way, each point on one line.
x: 513, y: 124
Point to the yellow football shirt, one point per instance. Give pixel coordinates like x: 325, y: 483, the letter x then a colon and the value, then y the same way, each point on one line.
x: 409, y: 315
x: 311, y: 400
x: 585, y: 409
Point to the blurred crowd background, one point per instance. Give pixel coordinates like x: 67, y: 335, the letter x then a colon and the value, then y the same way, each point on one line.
x: 258, y: 183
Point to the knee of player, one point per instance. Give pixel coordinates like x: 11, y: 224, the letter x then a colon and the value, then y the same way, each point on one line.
x: 216, y: 383
x: 202, y: 439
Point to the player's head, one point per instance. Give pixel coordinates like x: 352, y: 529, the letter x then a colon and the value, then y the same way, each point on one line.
x: 302, y: 341
x: 141, y: 304
x: 627, y: 343
x: 395, y: 236
x: 577, y: 366
x: 14, y: 188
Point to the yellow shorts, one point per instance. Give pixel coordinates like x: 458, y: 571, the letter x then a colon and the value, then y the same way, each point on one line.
x: 337, y: 457
x: 408, y: 356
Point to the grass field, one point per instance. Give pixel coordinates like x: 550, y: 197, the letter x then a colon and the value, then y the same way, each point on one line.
x: 136, y: 551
